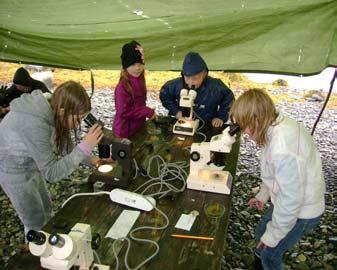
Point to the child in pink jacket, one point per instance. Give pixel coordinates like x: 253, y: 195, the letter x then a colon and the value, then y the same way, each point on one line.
x: 130, y: 93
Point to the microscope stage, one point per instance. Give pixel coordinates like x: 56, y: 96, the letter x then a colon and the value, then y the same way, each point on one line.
x: 186, y: 127
x: 212, y: 181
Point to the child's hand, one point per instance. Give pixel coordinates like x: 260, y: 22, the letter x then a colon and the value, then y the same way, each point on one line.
x: 179, y: 115
x: 261, y: 245
x: 4, y: 109
x: 94, y: 135
x: 217, y: 122
x: 256, y: 203
x: 154, y: 116
x: 96, y: 161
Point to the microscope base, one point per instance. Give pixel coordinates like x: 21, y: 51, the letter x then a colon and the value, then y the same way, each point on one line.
x: 186, y: 127
x: 100, y: 267
x: 115, y: 178
x: 211, y: 181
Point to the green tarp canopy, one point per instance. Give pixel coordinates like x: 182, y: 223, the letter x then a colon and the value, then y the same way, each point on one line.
x: 284, y: 36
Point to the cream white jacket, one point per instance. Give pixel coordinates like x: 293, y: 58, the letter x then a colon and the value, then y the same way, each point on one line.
x: 291, y: 171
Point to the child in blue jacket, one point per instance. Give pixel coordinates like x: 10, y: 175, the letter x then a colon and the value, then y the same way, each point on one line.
x: 213, y: 100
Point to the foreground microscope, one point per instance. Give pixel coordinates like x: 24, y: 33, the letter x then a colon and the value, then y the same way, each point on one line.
x: 187, y: 125
x: 205, y: 174
x: 63, y: 251
x: 120, y: 150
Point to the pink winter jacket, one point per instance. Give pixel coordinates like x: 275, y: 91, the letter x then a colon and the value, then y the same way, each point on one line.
x: 131, y: 112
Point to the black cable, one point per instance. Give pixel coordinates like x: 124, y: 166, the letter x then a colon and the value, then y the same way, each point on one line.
x: 326, y: 101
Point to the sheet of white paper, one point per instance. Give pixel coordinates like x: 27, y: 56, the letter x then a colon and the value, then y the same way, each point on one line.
x: 185, y: 222
x: 123, y: 224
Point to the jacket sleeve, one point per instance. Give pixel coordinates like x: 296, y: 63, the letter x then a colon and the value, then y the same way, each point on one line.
x: 38, y: 85
x: 263, y: 194
x: 226, y: 103
x: 169, y: 99
x: 287, y: 201
x: 125, y: 106
x: 39, y: 147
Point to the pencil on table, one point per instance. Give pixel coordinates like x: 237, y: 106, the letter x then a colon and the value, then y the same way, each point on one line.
x: 192, y: 237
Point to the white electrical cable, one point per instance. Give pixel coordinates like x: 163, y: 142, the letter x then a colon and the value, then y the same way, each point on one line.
x: 140, y: 240
x: 166, y: 172
x: 97, y: 257
x: 84, y: 194
x: 131, y: 233
x: 200, y: 127
x: 202, y: 121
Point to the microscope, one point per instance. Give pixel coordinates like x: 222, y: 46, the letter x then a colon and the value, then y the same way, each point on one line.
x: 186, y: 125
x: 205, y: 174
x: 63, y: 251
x: 120, y: 150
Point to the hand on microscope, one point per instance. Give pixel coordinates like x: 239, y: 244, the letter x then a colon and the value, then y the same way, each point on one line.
x: 154, y: 117
x: 96, y: 161
x: 94, y: 135
x: 179, y: 115
x: 217, y: 122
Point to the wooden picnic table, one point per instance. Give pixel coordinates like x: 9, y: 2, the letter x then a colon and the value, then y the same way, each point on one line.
x: 175, y: 253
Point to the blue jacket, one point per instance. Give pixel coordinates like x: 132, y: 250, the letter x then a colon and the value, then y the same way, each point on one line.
x: 213, y: 100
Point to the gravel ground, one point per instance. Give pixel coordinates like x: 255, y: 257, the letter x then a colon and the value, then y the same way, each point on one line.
x: 317, y: 251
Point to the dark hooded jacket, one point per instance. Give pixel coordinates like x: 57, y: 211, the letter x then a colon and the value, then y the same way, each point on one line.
x: 22, y: 77
x: 214, y: 98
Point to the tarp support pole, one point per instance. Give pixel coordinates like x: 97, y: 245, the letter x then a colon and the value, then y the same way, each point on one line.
x: 92, y: 83
x: 326, y: 101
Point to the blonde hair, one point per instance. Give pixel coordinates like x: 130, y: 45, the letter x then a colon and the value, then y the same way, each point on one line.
x: 255, y: 110
x: 125, y: 77
x: 74, y: 100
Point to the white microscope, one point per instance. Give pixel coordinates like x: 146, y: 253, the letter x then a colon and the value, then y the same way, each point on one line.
x: 186, y: 125
x: 63, y: 251
x: 204, y: 174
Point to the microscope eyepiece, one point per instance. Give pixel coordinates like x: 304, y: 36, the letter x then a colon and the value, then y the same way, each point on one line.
x: 91, y: 120
x: 233, y: 129
x: 56, y: 240
x: 36, y: 237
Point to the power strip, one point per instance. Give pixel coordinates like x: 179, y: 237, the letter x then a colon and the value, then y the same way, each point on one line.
x: 132, y: 199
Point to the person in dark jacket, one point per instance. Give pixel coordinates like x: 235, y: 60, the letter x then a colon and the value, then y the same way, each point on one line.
x: 213, y: 100
x: 22, y: 83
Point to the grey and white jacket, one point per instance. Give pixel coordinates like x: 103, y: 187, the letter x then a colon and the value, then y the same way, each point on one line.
x: 27, y: 158
x: 26, y: 140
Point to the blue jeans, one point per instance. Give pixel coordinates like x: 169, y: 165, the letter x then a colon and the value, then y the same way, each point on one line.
x: 271, y: 258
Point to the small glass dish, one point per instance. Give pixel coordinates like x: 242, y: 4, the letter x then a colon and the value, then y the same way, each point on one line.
x: 214, y: 212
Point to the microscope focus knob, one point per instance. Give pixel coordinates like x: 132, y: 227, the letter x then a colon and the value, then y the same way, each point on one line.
x: 122, y: 154
x: 95, y: 241
x: 37, y: 238
x: 195, y: 156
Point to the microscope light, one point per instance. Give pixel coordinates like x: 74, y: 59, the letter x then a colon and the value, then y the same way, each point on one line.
x: 105, y: 168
